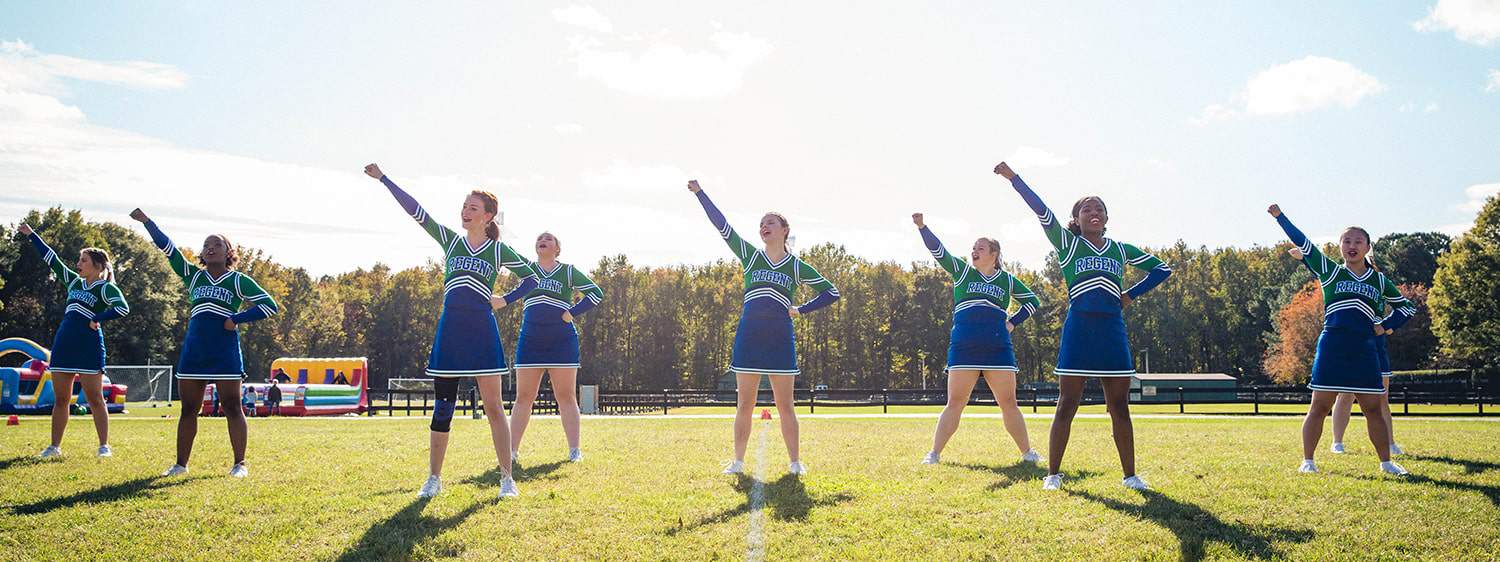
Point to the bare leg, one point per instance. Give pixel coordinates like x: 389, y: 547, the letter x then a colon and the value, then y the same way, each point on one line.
x: 1117, y: 396
x: 191, y: 394
x: 565, y: 390
x: 62, y: 401
x: 784, y: 392
x: 489, y: 390
x: 1380, y: 434
x: 1003, y: 386
x: 1343, y: 408
x: 1312, y: 425
x: 1385, y: 408
x: 229, y: 400
x: 960, y: 386
x: 1070, y: 393
x: 528, y: 383
x: 748, y: 386
x: 93, y: 390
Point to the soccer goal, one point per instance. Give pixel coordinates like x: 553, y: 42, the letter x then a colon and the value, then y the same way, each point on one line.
x: 148, y: 383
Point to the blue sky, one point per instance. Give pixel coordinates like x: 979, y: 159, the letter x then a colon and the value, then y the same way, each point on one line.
x: 587, y: 119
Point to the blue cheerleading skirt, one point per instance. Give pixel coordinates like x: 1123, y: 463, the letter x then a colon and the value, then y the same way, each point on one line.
x: 1094, y: 344
x: 209, y: 352
x: 545, y: 340
x: 467, y: 344
x: 1347, y: 361
x: 1383, y: 356
x: 980, y: 342
x: 77, y: 349
x: 764, y: 342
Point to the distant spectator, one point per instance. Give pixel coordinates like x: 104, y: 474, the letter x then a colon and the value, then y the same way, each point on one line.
x: 280, y: 376
x: 273, y: 398
x: 248, y: 400
x: 341, y: 379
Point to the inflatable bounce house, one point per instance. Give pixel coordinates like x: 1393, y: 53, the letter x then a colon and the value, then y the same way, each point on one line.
x: 309, y: 387
x: 27, y: 389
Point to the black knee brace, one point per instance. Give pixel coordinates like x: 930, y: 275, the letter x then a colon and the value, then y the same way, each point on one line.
x: 446, y: 390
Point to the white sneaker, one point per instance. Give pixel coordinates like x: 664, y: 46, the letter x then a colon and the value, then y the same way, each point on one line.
x: 734, y: 467
x: 575, y: 455
x: 1396, y: 450
x: 176, y: 470
x: 239, y: 471
x: 508, y: 488
x: 1052, y: 482
x: 1135, y: 483
x: 1031, y: 456
x: 1308, y: 467
x: 1389, y: 467
x: 1337, y: 448
x: 105, y: 451
x: 931, y: 458
x: 431, y: 488
x: 797, y: 468
x: 51, y: 452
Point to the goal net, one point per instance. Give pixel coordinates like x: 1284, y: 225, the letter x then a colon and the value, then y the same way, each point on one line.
x: 148, y: 383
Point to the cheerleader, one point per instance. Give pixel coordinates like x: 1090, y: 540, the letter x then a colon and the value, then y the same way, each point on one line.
x: 764, y: 343
x: 1348, y: 359
x: 78, y: 348
x: 979, y: 344
x: 467, y: 343
x: 549, y: 341
x: 211, y: 347
x: 1094, y: 344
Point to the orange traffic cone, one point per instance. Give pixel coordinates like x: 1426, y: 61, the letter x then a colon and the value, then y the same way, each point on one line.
x: 13, y: 420
x: 765, y: 414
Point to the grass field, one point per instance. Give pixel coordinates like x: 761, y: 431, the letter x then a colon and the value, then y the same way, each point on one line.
x: 649, y: 489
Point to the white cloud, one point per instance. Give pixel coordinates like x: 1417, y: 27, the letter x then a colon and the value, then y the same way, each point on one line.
x: 1033, y: 157
x: 1493, y: 85
x: 583, y: 16
x: 1306, y: 84
x: 22, y: 67
x: 568, y: 128
x: 1477, y: 195
x: 1472, y: 21
x: 1430, y: 108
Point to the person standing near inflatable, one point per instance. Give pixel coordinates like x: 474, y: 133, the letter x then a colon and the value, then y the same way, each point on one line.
x: 211, y: 346
x: 467, y: 343
x: 78, y: 348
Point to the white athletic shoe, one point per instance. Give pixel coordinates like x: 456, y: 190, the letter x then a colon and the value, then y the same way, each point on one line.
x: 1337, y: 448
x: 1031, y: 456
x: 176, y: 470
x: 1135, y: 483
x: 1052, y: 482
x: 575, y: 455
x: 105, y: 451
x: 51, y: 452
x: 931, y: 458
x: 1396, y: 450
x: 1389, y: 467
x: 797, y: 468
x: 239, y: 471
x: 508, y: 488
x: 734, y: 467
x: 1308, y: 467
x: 431, y: 488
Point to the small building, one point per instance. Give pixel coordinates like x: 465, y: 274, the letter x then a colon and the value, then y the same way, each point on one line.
x: 1197, y: 387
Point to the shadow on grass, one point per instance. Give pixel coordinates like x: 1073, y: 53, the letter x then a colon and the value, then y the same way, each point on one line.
x: 1019, y: 472
x: 395, y: 537
x: 786, y: 499
x: 1469, y: 466
x: 1194, y: 526
x: 493, y: 476
x: 26, y: 460
x: 1491, y: 492
x: 129, y: 489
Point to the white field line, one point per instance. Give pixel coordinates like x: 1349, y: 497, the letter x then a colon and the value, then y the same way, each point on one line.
x: 755, y: 538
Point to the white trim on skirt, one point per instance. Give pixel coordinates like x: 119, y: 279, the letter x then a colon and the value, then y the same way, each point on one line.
x: 1348, y: 389
x: 473, y: 373
x: 70, y: 371
x: 1011, y: 368
x: 1097, y: 374
x: 211, y: 377
x: 770, y: 372
x: 546, y: 366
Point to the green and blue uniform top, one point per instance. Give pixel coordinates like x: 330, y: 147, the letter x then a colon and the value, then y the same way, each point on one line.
x: 1350, y: 301
x: 554, y: 293
x: 98, y: 301
x: 469, y: 273
x: 769, y: 285
x: 1094, y: 274
x: 972, y: 288
x: 221, y: 296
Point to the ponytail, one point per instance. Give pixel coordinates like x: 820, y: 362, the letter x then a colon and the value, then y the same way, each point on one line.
x: 102, y: 261
x: 491, y: 206
x: 492, y: 230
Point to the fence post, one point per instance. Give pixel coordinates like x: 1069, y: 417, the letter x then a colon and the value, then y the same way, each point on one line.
x: 664, y: 399
x: 1035, y: 397
x: 1405, y: 400
x: 1181, y: 405
x: 408, y: 404
x: 812, y: 402
x: 473, y: 404
x: 1255, y: 393
x: 885, y: 400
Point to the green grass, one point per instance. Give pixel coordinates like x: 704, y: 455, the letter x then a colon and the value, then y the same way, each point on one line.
x: 649, y: 489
